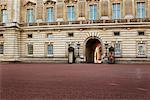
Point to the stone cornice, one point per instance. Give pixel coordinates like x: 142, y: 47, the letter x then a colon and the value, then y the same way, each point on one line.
x: 29, y: 3
x: 49, y: 1
x: 145, y: 25
x: 70, y: 1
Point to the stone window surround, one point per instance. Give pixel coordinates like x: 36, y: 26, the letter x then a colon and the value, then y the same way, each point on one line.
x: 137, y: 44
x: 2, y: 43
x: 66, y: 11
x: 88, y: 11
x: 46, y: 49
x: 113, y: 44
x: 3, y: 7
x: 30, y: 6
x: 27, y: 53
x: 140, y: 1
x: 121, y: 7
x: 46, y: 6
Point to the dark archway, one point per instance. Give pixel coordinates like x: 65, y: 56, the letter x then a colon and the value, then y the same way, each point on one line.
x: 90, y: 49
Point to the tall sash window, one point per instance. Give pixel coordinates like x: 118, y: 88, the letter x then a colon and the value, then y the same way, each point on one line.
x: 71, y: 13
x: 30, y: 17
x: 30, y: 49
x: 50, y: 49
x: 117, y: 49
x: 1, y: 48
x: 116, y: 13
x: 140, y: 9
x: 50, y: 14
x: 141, y: 49
x: 4, y: 16
x: 93, y: 12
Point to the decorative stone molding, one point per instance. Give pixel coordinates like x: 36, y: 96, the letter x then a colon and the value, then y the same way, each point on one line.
x: 92, y: 0
x: 70, y: 1
x: 29, y: 3
x: 51, y: 2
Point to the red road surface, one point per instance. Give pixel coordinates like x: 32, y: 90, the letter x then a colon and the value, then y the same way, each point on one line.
x: 74, y: 82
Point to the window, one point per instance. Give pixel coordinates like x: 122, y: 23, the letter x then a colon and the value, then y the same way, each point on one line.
x: 116, y: 13
x: 140, y: 9
x: 4, y: 16
x: 30, y: 18
x: 117, y: 49
x: 30, y: 49
x: 1, y: 48
x: 93, y: 12
x: 50, y: 14
x: 29, y: 35
x: 1, y: 35
x: 141, y: 33
x: 141, y: 49
x: 50, y: 36
x: 70, y: 34
x: 116, y: 33
x: 71, y: 13
x: 50, y: 49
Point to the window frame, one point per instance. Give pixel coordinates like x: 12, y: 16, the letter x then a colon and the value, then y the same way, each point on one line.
x: 50, y: 52
x: 28, y: 36
x: 4, y: 20
x: 118, y: 54
x: 115, y: 11
x: 93, y: 13
x: 72, y: 12
x: 1, y: 36
x: 49, y: 36
x: 145, y: 51
x: 28, y: 51
x: 52, y: 14
x: 137, y: 13
x: 2, y: 45
x: 116, y: 33
x: 28, y: 17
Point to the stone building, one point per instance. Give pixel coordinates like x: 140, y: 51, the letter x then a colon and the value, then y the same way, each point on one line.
x: 43, y: 31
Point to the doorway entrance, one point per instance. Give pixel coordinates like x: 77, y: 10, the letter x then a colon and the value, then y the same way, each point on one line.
x: 93, y: 51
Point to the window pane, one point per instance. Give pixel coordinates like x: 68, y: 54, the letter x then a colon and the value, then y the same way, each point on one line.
x: 4, y: 16
x: 117, y: 49
x: 93, y: 12
x: 71, y: 13
x: 1, y: 49
x: 116, y: 12
x: 141, y: 9
x: 30, y: 49
x: 30, y: 15
x: 50, y: 49
x: 141, y: 49
x: 50, y: 36
x: 50, y: 14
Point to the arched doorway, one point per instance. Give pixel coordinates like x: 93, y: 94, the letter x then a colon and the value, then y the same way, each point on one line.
x: 93, y: 51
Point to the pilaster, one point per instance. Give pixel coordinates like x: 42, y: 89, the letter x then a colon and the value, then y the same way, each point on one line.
x: 128, y: 6
x: 60, y: 10
x: 39, y: 10
x: 148, y: 8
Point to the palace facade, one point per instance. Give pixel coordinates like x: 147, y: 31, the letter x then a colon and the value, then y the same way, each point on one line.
x: 47, y: 31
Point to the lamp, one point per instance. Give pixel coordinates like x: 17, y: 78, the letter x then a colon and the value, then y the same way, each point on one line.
x: 78, y: 47
x: 106, y: 47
